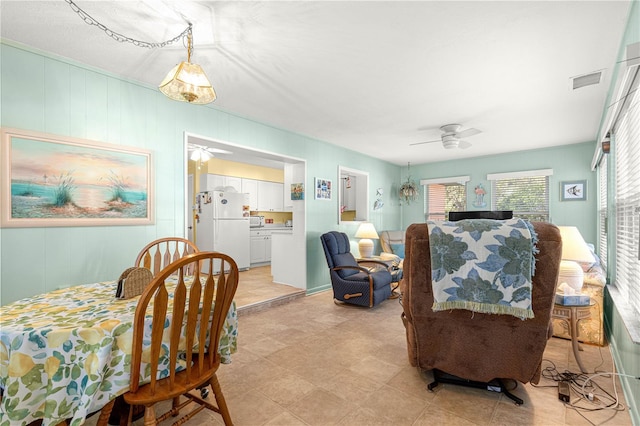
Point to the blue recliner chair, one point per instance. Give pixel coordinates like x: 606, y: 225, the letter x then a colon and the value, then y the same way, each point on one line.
x: 351, y: 282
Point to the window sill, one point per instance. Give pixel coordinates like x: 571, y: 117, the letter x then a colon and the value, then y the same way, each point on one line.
x: 626, y: 312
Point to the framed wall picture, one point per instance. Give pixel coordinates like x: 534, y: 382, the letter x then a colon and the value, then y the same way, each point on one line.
x: 50, y: 180
x: 573, y: 190
x: 323, y: 189
x: 297, y: 191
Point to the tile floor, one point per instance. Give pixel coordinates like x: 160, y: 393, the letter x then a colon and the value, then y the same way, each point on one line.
x: 256, y: 291
x: 311, y: 362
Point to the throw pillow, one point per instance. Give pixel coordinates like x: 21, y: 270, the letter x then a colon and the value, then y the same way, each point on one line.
x: 398, y: 249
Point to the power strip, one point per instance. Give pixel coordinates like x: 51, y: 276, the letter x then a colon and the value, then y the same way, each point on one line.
x: 564, y: 391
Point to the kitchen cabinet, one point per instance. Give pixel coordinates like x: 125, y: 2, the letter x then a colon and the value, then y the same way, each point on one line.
x: 283, y: 270
x: 270, y: 196
x: 213, y: 182
x: 260, y: 246
x: 286, y: 190
x: 250, y: 186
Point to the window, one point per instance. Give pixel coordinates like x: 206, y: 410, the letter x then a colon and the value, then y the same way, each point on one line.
x: 526, y: 193
x: 602, y: 211
x: 626, y: 135
x: 444, y: 195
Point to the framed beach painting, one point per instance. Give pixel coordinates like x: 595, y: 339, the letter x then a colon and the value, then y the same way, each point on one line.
x: 50, y: 180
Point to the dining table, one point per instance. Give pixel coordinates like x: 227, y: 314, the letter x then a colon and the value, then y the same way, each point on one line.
x: 65, y: 354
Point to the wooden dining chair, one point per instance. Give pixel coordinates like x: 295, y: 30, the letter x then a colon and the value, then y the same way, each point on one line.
x: 158, y: 254
x: 182, y: 357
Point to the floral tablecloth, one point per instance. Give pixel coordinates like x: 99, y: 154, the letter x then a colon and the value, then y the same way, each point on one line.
x: 66, y: 353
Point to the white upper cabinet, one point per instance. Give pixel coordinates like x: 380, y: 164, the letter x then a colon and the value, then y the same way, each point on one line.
x: 212, y: 182
x: 263, y: 195
x: 250, y: 186
x: 270, y: 196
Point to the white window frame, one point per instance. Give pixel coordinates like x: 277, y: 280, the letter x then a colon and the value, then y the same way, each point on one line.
x: 603, y: 213
x: 494, y: 177
x: 627, y: 82
x: 626, y: 208
x: 460, y: 180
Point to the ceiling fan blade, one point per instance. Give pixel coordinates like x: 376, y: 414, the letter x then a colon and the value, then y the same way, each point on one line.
x: 422, y: 143
x: 219, y: 151
x: 466, y: 133
x: 211, y: 150
x: 464, y: 144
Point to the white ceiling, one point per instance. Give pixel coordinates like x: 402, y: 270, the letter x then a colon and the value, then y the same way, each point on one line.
x: 369, y: 76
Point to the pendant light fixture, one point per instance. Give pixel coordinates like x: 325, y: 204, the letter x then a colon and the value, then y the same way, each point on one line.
x: 187, y: 82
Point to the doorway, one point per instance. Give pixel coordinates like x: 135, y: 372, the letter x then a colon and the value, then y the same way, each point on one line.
x: 286, y: 277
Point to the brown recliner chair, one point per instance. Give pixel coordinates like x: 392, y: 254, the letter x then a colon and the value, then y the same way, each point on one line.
x: 470, y: 345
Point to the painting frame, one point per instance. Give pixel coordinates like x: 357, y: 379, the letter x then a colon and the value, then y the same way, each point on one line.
x: 58, y: 181
x: 573, y: 190
x: 323, y: 189
x: 297, y: 191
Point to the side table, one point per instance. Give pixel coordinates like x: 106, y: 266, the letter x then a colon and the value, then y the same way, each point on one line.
x: 396, y: 274
x: 572, y: 314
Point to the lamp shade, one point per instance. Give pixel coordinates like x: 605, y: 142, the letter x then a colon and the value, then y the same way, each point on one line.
x: 574, y: 249
x: 187, y: 82
x: 573, y: 245
x: 366, y: 231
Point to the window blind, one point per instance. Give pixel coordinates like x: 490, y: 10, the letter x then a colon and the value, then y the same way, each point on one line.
x: 602, y: 211
x: 444, y: 197
x: 627, y: 200
x: 526, y: 193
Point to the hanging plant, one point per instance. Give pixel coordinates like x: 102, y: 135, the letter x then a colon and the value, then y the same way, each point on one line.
x: 409, y: 190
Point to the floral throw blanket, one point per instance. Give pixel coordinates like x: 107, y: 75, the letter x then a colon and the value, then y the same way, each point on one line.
x: 483, y: 265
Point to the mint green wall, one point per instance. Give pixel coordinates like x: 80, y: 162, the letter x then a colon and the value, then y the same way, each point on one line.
x: 569, y: 162
x: 47, y: 94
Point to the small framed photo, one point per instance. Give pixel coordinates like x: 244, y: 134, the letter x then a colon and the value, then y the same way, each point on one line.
x: 297, y: 191
x: 323, y: 189
x: 573, y: 190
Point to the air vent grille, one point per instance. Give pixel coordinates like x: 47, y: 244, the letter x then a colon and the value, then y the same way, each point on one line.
x: 586, y: 80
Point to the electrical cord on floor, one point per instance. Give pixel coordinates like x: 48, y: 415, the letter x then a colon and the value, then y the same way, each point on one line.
x: 591, y: 396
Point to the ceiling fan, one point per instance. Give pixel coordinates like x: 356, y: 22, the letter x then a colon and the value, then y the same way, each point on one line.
x: 451, y: 136
x: 203, y: 153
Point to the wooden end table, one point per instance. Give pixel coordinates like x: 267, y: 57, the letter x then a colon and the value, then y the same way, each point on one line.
x: 396, y: 274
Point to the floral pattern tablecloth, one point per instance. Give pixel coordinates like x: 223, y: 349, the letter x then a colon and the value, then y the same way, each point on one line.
x: 66, y: 353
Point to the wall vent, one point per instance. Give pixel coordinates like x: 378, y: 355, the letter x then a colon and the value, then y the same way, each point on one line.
x: 586, y: 80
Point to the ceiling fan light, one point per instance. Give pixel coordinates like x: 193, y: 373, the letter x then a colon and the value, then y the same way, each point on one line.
x: 195, y: 155
x: 449, y: 142
x: 200, y: 154
x: 187, y: 82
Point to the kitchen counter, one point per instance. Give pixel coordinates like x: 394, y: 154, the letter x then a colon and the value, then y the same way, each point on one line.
x: 261, y: 242
x: 275, y: 227
x: 286, y: 262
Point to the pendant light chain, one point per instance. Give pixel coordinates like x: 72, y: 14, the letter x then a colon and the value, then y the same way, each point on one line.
x: 123, y: 39
x: 189, y: 43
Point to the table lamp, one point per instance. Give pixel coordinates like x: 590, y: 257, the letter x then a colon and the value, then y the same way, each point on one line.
x: 574, y: 249
x: 366, y: 231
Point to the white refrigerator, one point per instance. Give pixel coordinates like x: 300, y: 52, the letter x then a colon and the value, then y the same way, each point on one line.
x: 223, y: 225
